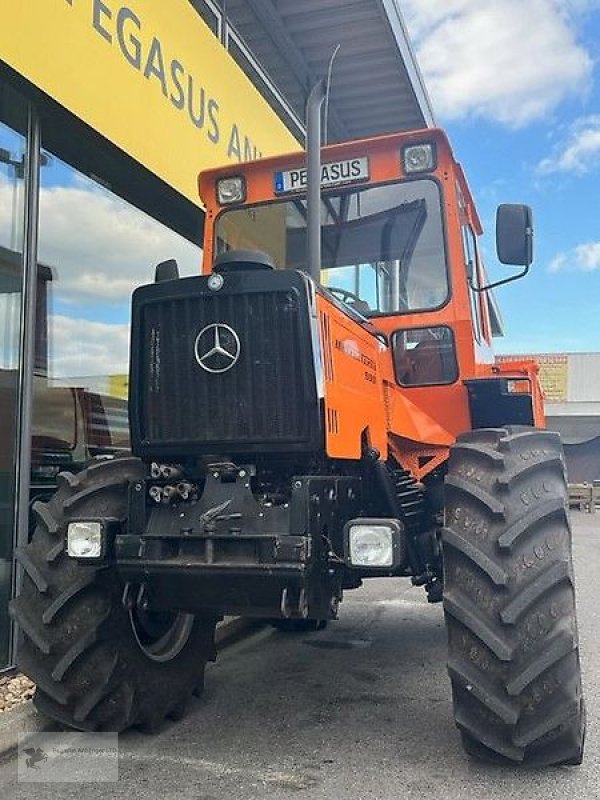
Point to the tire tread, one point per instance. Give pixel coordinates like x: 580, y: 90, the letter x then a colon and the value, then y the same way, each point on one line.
x: 509, y: 599
x: 76, y: 641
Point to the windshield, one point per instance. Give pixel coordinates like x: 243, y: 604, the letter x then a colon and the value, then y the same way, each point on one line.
x: 382, y: 246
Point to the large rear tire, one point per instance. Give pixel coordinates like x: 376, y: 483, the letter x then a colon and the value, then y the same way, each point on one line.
x: 96, y: 664
x: 509, y: 599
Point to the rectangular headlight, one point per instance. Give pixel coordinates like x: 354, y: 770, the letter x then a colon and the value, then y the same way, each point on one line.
x: 231, y: 190
x: 418, y: 158
x: 85, y: 539
x: 374, y: 543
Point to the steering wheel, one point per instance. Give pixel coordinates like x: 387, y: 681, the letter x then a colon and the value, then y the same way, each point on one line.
x: 344, y: 294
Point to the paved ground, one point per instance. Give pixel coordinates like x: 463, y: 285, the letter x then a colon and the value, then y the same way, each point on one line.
x: 360, y: 710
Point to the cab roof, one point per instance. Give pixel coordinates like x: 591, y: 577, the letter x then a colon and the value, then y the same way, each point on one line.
x: 384, y: 154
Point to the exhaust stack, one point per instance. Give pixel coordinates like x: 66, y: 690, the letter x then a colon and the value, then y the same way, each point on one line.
x: 313, y: 177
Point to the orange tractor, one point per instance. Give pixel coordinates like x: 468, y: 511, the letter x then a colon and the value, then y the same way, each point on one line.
x: 319, y: 407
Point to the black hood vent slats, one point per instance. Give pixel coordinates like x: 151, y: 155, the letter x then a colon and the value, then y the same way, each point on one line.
x: 255, y: 392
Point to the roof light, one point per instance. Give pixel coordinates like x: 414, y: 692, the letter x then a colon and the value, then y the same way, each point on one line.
x: 418, y: 158
x: 231, y: 190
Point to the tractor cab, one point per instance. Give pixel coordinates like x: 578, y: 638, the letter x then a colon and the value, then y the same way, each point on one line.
x: 399, y: 255
x: 382, y: 221
x: 398, y: 225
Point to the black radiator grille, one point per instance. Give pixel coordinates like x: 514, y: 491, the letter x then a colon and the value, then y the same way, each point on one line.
x: 267, y: 396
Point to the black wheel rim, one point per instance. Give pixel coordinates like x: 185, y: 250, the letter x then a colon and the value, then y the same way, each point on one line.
x: 161, y: 636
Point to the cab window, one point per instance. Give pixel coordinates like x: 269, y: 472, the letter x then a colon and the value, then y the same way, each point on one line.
x: 424, y: 356
x: 383, y: 247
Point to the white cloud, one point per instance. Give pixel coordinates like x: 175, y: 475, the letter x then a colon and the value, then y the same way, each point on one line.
x: 80, y: 347
x: 583, y: 258
x: 579, y: 153
x: 505, y: 60
x: 100, y: 248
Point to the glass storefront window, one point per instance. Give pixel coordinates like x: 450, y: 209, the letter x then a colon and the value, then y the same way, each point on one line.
x: 12, y: 214
x: 94, y: 249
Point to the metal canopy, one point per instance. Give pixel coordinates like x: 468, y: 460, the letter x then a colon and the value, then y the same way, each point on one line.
x: 376, y: 86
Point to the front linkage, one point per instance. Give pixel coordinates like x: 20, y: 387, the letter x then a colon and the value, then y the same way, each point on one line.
x: 211, y: 541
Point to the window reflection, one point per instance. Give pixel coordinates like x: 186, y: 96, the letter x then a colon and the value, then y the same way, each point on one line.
x: 94, y: 249
x: 12, y: 159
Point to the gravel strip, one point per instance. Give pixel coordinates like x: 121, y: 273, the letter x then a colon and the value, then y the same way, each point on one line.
x: 14, y: 690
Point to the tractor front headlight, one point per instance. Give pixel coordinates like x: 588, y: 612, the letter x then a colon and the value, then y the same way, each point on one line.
x: 85, y: 539
x: 374, y: 543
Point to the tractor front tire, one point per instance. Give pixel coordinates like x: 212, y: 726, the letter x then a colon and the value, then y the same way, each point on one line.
x: 509, y: 599
x: 98, y: 665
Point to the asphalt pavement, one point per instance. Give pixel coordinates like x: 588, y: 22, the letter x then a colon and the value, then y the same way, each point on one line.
x: 359, y: 710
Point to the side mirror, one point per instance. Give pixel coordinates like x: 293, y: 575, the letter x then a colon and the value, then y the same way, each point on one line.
x: 166, y: 271
x: 514, y: 234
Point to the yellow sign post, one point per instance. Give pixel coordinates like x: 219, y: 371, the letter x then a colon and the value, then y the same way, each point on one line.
x: 148, y: 75
x: 554, y: 376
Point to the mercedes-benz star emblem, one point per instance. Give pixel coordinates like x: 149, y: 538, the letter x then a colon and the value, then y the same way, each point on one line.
x: 217, y: 348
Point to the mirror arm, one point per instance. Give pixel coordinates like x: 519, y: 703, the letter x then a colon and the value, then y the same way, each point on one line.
x: 481, y: 289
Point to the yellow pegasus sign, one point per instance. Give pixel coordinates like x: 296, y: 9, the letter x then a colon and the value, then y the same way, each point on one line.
x: 148, y: 75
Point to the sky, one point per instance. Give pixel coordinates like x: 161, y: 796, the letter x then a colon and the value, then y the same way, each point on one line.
x: 516, y: 85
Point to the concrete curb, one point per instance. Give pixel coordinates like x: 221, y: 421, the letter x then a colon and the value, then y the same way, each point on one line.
x: 26, y: 719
